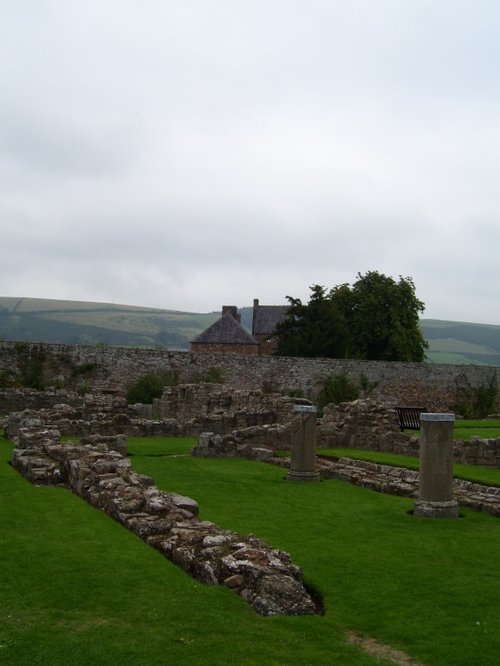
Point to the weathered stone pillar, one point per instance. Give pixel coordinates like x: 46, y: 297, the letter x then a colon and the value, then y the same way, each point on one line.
x: 436, y: 467
x: 303, y: 445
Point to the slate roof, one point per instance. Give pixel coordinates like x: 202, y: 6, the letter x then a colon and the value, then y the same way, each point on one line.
x: 266, y: 318
x: 226, y: 331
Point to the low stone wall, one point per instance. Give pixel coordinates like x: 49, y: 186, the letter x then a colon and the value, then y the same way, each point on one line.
x: 95, y: 426
x: 71, y: 422
x: 265, y: 577
x: 478, y: 451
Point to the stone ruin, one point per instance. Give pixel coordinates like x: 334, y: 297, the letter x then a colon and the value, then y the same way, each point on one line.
x: 250, y: 424
x: 96, y: 471
x: 219, y: 409
x: 255, y: 442
x: 374, y: 426
x: 364, y: 424
x: 186, y: 410
x: 96, y: 468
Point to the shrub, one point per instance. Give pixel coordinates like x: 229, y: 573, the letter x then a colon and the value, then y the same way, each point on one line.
x: 337, y: 388
x: 366, y: 385
x: 7, y: 379
x: 293, y: 393
x: 479, y: 401
x: 150, y: 386
x: 214, y: 376
x: 30, y: 362
x: 83, y: 369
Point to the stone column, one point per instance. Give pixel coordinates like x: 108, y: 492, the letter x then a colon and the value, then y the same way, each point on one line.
x: 436, y: 467
x: 303, y: 445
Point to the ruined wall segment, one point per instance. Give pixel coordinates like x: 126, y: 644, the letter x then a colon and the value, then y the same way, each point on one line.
x: 364, y: 424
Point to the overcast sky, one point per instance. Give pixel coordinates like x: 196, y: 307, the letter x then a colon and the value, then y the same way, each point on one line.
x: 186, y: 154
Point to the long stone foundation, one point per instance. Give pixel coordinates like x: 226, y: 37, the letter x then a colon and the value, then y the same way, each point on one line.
x: 265, y: 577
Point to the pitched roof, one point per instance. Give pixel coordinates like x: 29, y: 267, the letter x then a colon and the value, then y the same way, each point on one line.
x: 266, y: 318
x: 226, y: 331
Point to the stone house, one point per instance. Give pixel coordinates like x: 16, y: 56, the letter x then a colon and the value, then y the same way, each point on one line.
x: 228, y: 336
x: 264, y: 321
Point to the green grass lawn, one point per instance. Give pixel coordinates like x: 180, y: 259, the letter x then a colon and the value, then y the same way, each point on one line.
x: 77, y: 588
x: 475, y: 473
x: 485, y: 428
x: 464, y: 429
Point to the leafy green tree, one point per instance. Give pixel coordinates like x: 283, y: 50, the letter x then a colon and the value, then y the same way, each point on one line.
x: 375, y: 319
x: 384, y: 321
x: 315, y: 329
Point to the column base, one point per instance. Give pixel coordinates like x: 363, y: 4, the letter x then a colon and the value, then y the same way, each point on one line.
x: 426, y: 509
x: 294, y: 475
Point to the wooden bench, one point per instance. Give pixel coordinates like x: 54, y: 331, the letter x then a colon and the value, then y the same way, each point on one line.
x: 409, y: 417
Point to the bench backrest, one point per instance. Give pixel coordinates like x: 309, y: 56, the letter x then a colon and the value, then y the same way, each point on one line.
x: 409, y: 417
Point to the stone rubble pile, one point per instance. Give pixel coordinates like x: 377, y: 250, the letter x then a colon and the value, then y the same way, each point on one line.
x: 364, y: 424
x: 186, y: 402
x: 256, y: 442
x: 207, y: 407
x: 265, y: 577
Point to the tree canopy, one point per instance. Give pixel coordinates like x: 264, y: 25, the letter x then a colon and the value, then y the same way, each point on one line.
x: 377, y: 318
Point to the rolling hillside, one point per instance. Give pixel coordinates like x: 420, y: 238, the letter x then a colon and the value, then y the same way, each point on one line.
x: 461, y: 343
x: 78, y: 322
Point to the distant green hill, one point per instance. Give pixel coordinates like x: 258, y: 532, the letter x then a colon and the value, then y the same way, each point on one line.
x: 77, y: 322
x: 80, y: 322
x: 461, y: 343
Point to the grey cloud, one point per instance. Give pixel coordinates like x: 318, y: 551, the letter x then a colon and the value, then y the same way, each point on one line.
x: 63, y: 147
x: 187, y: 154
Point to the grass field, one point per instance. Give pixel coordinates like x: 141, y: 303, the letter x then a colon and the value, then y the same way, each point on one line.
x: 78, y: 588
x: 465, y: 429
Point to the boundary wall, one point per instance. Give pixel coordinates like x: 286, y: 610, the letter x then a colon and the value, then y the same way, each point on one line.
x: 112, y: 369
